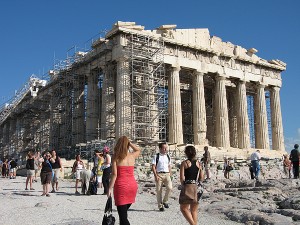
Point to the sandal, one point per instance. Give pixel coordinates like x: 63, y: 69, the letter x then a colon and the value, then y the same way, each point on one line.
x: 26, y: 189
x: 47, y: 195
x: 32, y: 189
x: 43, y: 194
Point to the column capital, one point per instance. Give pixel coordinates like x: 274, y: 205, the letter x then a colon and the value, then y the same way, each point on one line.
x: 198, y: 73
x: 275, y: 88
x: 242, y: 81
x: 176, y: 68
x: 260, y: 85
x: 218, y: 77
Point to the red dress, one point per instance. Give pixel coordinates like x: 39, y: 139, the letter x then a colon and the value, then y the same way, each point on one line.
x: 125, y: 186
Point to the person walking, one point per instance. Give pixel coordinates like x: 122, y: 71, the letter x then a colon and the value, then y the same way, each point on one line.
x: 12, y: 169
x: 227, y: 167
x: 123, y: 183
x: 106, y: 166
x: 78, y: 166
x: 161, y: 167
x: 99, y: 168
x: 57, y: 168
x: 190, y: 171
x: 37, y: 166
x: 294, y: 157
x: 5, y: 168
x: 46, y: 173
x: 1, y: 165
x: 255, y: 158
x: 206, y: 162
x: 287, y: 165
x: 30, y: 170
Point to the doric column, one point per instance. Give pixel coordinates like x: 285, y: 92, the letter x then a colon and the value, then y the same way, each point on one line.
x: 92, y: 107
x: 261, y: 122
x: 242, y: 116
x: 108, y: 102
x: 277, y: 128
x: 199, y: 111
x: 221, y: 114
x: 123, y: 100
x: 78, y: 128
x: 174, y: 107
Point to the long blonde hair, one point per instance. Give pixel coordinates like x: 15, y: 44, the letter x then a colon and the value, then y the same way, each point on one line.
x: 121, y: 149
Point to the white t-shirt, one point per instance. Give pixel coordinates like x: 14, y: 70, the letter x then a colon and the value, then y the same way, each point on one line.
x: 255, y: 156
x: 162, y: 164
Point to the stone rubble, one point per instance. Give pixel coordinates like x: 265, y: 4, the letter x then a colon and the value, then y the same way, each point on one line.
x: 273, y: 199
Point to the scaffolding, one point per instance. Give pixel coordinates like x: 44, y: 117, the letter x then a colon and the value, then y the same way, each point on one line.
x: 148, y: 88
x: 67, y: 101
x: 30, y: 86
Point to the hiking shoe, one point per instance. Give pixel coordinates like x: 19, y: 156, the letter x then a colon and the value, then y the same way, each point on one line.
x: 161, y: 209
x: 166, y: 205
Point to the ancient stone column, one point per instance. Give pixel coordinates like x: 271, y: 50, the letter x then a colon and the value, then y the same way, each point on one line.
x: 123, y: 99
x: 261, y: 122
x: 78, y: 128
x: 92, y: 107
x: 108, y: 102
x: 242, y: 116
x: 221, y: 114
x: 174, y: 107
x: 277, y: 128
x: 199, y: 111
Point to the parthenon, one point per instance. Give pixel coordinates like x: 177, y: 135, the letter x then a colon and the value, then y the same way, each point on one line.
x: 182, y: 86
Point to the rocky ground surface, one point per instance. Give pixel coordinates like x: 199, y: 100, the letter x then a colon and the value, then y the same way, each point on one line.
x: 19, y: 206
x: 273, y: 199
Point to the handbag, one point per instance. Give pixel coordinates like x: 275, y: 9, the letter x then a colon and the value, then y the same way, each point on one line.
x: 108, y: 218
x: 189, y: 193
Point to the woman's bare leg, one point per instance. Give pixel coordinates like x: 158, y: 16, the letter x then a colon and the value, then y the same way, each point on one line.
x: 194, y: 212
x: 185, y: 209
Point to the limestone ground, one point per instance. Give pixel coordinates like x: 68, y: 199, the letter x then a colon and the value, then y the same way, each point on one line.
x: 65, y: 208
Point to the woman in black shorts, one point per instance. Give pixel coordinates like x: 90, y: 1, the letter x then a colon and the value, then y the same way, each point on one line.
x: 46, y: 173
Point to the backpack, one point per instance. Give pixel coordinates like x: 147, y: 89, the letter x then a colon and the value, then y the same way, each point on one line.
x: 157, y: 158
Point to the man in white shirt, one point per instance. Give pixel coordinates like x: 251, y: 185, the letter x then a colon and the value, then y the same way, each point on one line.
x: 161, y: 167
x: 255, y: 157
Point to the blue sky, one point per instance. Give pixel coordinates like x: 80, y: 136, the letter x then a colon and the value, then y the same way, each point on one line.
x: 34, y: 32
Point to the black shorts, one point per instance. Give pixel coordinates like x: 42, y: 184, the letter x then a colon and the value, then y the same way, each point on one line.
x: 46, y: 177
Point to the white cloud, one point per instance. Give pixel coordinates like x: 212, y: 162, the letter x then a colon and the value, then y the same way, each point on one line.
x: 290, y: 141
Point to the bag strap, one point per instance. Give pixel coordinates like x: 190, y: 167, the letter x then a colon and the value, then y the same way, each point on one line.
x: 198, y: 170
x: 49, y: 164
x: 108, y: 206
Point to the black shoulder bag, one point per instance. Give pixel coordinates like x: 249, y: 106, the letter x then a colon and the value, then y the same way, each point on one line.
x: 108, y: 218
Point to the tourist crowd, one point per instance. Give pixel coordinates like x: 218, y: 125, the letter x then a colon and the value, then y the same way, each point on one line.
x: 116, y: 174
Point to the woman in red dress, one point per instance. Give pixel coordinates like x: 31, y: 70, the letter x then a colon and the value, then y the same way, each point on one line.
x: 122, y: 179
